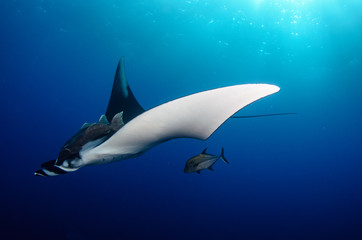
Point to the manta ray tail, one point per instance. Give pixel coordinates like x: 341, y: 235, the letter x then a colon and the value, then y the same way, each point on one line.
x: 263, y: 115
x: 122, y: 98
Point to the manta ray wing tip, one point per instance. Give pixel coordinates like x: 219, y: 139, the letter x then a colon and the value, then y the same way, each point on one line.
x: 273, y: 88
x: 277, y: 89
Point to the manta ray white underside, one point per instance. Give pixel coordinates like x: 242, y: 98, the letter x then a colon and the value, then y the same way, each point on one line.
x: 194, y: 116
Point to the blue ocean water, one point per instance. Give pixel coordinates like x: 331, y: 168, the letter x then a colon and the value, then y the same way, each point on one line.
x: 290, y: 177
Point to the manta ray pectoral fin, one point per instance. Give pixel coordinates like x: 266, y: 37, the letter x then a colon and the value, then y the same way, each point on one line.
x: 122, y: 98
x: 194, y: 116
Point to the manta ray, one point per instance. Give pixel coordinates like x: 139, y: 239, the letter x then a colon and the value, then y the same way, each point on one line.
x: 126, y: 130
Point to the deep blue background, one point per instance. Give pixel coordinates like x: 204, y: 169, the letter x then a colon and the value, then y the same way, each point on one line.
x: 290, y: 177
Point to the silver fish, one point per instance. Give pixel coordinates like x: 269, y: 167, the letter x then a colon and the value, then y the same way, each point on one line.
x: 203, y: 161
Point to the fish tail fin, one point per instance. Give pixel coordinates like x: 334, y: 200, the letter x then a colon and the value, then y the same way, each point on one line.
x: 222, y: 156
x: 117, y: 121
